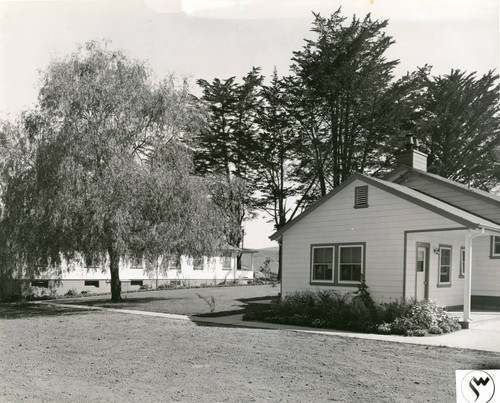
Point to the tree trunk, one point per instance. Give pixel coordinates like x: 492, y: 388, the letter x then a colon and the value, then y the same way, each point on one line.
x: 114, y: 267
x: 238, y: 262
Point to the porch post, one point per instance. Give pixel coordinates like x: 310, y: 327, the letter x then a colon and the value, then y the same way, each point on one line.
x: 467, y: 279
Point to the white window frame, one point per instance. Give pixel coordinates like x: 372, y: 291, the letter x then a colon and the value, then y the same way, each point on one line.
x: 202, y: 264
x: 224, y: 256
x: 494, y: 239
x: 440, y: 265
x: 354, y: 245
x: 332, y: 247
x: 134, y: 260
x: 177, y: 262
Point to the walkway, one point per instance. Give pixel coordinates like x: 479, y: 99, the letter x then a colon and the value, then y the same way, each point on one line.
x: 483, y: 334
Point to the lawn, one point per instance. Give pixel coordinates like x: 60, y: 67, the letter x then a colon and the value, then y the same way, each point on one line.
x: 185, y: 301
x: 65, y: 355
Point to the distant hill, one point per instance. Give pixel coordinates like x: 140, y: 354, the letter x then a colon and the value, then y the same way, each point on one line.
x: 259, y: 259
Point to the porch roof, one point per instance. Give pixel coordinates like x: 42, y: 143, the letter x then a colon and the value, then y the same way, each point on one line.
x: 468, y: 220
x: 445, y: 209
x: 478, y: 193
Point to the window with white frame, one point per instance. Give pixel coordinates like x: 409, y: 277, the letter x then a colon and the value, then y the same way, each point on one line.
x: 137, y: 262
x: 462, y: 262
x: 444, y: 264
x: 198, y: 263
x: 350, y: 263
x: 495, y: 247
x: 322, y: 263
x: 226, y: 260
x: 174, y: 262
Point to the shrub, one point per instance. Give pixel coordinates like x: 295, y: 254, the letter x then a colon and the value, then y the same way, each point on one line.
x: 358, y: 312
x: 71, y: 292
x: 410, y: 317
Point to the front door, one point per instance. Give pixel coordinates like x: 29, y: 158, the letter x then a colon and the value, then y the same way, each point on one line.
x: 422, y: 283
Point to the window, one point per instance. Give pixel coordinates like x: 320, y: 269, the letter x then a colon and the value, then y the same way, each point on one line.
x: 322, y: 264
x: 350, y: 263
x: 226, y: 260
x: 136, y: 282
x: 462, y: 263
x: 198, y: 263
x: 40, y: 283
x: 91, y: 283
x: 174, y: 262
x: 136, y: 262
x: 361, y: 197
x: 444, y: 264
x: 495, y: 247
x: 91, y: 261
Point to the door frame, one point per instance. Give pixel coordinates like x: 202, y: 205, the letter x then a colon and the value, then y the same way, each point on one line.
x: 427, y: 247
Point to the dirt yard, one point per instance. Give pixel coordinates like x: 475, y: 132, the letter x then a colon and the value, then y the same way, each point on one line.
x: 55, y: 354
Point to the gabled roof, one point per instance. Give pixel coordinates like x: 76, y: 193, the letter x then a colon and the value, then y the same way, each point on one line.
x: 478, y: 193
x: 468, y: 220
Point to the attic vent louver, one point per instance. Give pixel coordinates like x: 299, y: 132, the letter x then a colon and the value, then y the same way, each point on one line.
x: 361, y: 197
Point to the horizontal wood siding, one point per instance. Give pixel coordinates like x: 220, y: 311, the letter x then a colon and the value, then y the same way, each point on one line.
x: 485, y: 271
x: 447, y: 296
x: 461, y: 199
x: 381, y: 226
x: 72, y: 275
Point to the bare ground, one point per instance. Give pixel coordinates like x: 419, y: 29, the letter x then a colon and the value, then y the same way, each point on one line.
x: 54, y: 354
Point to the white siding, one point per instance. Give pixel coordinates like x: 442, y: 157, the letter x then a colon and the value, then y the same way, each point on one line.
x: 72, y: 275
x: 447, y: 296
x: 485, y: 271
x: 381, y: 226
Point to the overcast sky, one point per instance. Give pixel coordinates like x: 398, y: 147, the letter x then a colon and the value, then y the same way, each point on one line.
x: 223, y: 38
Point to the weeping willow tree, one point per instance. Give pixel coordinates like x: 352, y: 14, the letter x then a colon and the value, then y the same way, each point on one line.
x: 111, y: 175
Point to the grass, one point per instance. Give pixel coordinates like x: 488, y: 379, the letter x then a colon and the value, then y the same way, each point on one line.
x: 185, y: 301
x: 101, y: 356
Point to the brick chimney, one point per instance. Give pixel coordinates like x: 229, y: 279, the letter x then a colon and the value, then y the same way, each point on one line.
x: 411, y: 156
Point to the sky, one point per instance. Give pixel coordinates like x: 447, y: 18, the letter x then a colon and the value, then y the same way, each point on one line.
x: 225, y: 38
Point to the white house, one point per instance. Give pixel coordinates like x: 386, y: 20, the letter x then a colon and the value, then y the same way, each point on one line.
x: 413, y: 234
x: 79, y: 276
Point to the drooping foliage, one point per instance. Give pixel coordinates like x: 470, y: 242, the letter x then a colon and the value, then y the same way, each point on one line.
x: 112, y: 175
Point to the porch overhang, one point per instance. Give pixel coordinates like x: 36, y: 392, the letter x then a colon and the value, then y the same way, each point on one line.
x: 469, y: 232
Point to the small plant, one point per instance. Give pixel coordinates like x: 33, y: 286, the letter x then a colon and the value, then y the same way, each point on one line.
x: 209, y: 301
x: 71, y: 293
x: 266, y: 268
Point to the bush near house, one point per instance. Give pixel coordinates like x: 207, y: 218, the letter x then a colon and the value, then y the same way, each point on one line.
x: 358, y: 312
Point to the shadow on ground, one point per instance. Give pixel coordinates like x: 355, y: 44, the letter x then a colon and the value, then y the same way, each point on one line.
x: 256, y: 304
x: 125, y: 302
x: 29, y: 310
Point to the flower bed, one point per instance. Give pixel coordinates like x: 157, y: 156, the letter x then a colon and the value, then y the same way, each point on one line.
x: 358, y: 312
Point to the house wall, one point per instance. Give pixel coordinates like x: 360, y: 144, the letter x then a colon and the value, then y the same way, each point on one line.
x: 447, y: 296
x: 72, y: 276
x: 485, y: 270
x: 381, y: 226
x: 458, y: 197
